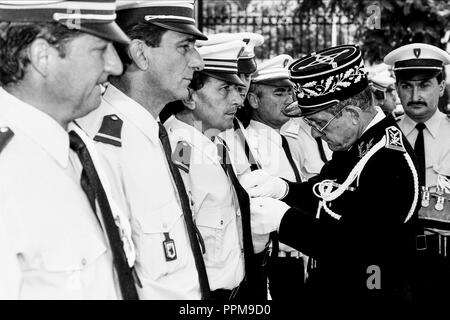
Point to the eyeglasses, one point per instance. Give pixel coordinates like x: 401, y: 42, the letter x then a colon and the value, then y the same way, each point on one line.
x: 317, y: 128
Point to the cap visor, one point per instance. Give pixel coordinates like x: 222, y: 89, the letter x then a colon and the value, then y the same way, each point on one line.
x: 227, y: 77
x: 416, y: 74
x: 246, y: 65
x: 276, y: 82
x: 109, y: 31
x: 294, y: 111
x: 186, y: 28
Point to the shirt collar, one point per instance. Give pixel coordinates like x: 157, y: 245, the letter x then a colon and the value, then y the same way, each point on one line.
x: 378, y: 117
x: 432, y: 124
x: 37, y: 125
x: 134, y: 112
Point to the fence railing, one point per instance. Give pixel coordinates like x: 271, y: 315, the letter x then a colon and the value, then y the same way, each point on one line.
x: 293, y: 35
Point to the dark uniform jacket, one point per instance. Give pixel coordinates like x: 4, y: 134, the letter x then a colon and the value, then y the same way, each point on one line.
x: 371, y: 234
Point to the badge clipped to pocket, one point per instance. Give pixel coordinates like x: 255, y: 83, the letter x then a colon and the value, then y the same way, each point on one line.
x: 170, y: 250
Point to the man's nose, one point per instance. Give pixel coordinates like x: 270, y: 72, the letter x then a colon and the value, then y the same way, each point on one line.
x: 113, y: 65
x: 195, y: 61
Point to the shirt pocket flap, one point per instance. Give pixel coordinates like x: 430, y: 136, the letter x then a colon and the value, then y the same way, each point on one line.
x: 70, y: 258
x: 215, y: 217
x: 162, y: 219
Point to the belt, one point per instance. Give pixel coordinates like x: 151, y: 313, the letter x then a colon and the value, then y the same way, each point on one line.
x: 434, y: 244
x: 289, y: 254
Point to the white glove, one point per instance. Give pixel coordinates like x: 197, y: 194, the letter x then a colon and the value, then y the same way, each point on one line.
x: 259, y: 183
x: 266, y: 214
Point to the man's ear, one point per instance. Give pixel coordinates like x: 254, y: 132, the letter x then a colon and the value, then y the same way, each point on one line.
x: 189, y: 102
x: 253, y: 100
x: 136, y: 51
x: 39, y: 54
x: 354, y: 112
x: 442, y: 88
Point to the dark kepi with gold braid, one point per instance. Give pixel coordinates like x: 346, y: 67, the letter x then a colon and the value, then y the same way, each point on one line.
x: 322, y: 79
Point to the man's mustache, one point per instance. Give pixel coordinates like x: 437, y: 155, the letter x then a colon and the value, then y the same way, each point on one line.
x: 411, y: 103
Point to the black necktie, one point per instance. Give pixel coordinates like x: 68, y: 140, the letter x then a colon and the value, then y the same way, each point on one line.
x: 93, y: 188
x: 244, y: 205
x: 419, y: 150
x: 190, y: 226
x: 323, y: 156
x: 240, y: 135
x: 286, y: 149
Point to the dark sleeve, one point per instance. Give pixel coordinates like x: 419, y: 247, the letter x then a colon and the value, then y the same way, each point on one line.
x: 372, y: 216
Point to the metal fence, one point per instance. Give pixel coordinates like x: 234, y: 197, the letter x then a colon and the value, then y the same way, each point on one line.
x: 295, y: 35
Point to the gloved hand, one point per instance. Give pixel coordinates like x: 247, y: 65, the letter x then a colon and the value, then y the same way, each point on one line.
x: 259, y: 183
x: 266, y: 214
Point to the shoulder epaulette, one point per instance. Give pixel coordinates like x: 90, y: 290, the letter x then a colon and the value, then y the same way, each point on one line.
x: 394, y: 139
x: 181, y: 156
x: 6, y: 135
x: 110, y: 131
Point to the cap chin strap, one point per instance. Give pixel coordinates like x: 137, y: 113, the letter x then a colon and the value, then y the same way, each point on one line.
x: 324, y: 189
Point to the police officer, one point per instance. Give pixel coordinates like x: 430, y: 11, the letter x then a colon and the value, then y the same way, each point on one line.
x: 55, y: 58
x: 360, y: 243
x: 160, y: 63
x: 383, y: 91
x: 418, y: 69
x: 270, y: 92
x: 218, y: 208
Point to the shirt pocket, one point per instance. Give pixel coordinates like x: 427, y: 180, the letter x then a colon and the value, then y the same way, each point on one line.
x: 150, y: 240
x: 214, y: 226
x: 64, y: 265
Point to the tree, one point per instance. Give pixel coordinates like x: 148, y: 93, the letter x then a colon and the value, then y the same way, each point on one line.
x: 385, y: 25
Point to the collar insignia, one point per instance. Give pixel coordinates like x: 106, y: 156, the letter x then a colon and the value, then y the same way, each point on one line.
x: 364, y: 147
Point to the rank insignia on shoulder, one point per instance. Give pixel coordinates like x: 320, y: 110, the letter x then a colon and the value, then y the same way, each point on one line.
x: 110, y: 131
x: 6, y: 135
x: 181, y: 156
x: 394, y: 139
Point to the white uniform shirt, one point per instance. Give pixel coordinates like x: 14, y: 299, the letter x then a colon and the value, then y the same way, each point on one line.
x: 304, y: 147
x: 215, y: 206
x: 437, y: 144
x: 144, y: 188
x: 60, y: 247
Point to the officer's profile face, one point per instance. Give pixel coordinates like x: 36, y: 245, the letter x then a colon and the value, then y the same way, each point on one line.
x: 338, y: 130
x: 420, y: 98
x: 76, y: 79
x: 172, y: 65
x: 270, y: 103
x: 216, y: 104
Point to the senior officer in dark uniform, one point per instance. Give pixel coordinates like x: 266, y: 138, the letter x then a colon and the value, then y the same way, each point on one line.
x: 355, y: 217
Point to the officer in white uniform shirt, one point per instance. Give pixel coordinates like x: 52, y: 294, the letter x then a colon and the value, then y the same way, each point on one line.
x: 10, y: 275
x: 159, y: 63
x: 193, y: 132
x: 52, y: 230
x: 312, y: 153
x: 418, y: 69
x: 270, y: 92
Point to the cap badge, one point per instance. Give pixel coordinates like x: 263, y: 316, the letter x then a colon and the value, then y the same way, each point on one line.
x: 417, y: 52
x: 285, y: 62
